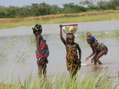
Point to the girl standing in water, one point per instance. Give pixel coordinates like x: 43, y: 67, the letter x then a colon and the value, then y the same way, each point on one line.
x: 73, y: 53
x: 42, y: 51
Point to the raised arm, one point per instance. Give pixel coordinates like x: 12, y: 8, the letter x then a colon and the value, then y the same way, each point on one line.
x: 61, y: 36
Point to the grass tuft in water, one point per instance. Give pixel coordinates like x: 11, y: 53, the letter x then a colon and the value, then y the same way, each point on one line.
x: 61, y: 82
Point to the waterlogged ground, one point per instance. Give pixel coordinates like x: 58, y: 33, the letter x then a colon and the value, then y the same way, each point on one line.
x: 17, y: 50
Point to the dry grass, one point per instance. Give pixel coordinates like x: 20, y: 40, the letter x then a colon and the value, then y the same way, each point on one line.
x: 60, y: 18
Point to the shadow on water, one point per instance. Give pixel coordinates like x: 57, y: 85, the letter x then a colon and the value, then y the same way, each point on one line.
x: 17, y: 55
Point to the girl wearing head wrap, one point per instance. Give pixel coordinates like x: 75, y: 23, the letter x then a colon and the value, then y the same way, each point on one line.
x: 99, y: 49
x: 42, y: 51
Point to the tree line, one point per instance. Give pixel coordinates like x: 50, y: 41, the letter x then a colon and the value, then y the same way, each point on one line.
x: 47, y: 9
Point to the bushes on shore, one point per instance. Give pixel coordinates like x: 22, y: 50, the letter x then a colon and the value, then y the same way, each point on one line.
x: 47, y: 9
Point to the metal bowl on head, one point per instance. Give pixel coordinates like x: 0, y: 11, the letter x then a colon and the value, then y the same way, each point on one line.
x: 71, y: 28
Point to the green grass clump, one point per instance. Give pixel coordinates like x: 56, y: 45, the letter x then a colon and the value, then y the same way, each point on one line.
x: 62, y: 82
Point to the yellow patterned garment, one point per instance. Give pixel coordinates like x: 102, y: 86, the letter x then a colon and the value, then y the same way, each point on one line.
x: 72, y: 58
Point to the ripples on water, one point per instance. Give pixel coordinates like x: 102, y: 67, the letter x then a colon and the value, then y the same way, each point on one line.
x: 17, y: 55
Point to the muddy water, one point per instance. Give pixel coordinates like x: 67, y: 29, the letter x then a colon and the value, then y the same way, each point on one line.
x: 17, y: 51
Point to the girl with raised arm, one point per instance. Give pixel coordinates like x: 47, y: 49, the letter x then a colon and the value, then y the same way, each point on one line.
x: 73, y: 52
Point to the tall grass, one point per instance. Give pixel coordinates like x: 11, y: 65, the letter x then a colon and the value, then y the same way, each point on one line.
x: 62, y: 82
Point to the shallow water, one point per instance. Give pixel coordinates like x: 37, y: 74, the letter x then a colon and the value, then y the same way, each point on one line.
x: 17, y: 53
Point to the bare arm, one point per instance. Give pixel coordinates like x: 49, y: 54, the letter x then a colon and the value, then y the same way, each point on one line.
x: 38, y: 39
x: 79, y: 51
x: 61, y: 36
x: 93, y: 52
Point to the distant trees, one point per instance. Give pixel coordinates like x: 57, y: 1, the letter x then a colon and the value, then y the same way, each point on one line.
x: 73, y: 8
x: 112, y: 4
x: 46, y: 9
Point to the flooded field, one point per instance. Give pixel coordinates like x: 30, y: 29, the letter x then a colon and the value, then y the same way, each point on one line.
x: 17, y: 50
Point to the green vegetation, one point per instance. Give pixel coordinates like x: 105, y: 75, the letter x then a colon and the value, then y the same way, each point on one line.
x: 61, y: 18
x: 100, y: 35
x: 41, y: 9
x: 44, y: 13
x: 88, y: 82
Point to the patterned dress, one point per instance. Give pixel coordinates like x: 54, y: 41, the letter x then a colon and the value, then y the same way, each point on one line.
x: 72, y: 60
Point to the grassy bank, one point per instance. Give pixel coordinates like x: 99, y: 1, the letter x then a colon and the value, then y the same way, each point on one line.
x: 61, y: 18
x: 88, y: 82
x: 100, y: 35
